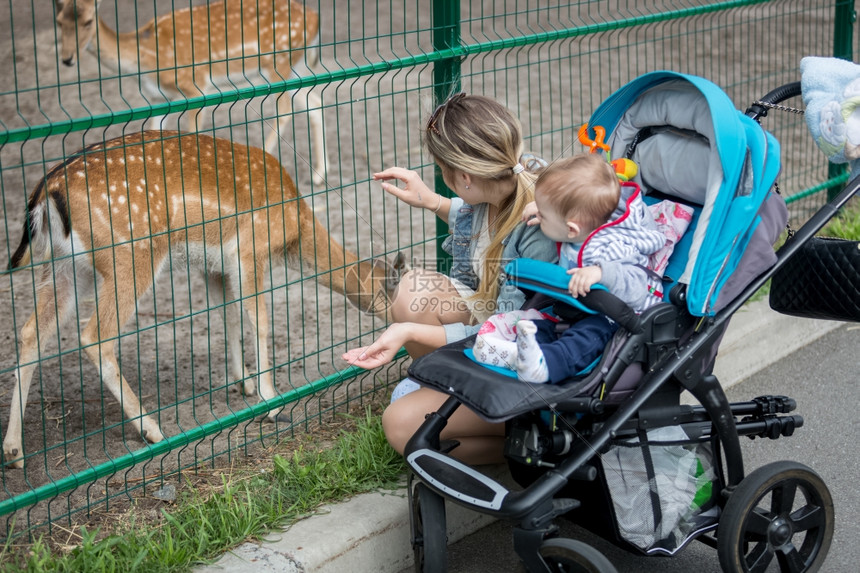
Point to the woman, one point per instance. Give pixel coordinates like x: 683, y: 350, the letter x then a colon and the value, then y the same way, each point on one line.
x: 477, y: 143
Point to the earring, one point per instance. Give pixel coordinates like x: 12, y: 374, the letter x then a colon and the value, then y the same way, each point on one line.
x: 467, y: 187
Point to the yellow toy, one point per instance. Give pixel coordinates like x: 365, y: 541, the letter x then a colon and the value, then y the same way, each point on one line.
x: 626, y: 169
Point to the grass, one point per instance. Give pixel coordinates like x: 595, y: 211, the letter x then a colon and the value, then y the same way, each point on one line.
x: 846, y: 225
x: 204, y: 523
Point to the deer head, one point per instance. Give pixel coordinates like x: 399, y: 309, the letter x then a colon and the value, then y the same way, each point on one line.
x: 370, y: 285
x: 78, y: 23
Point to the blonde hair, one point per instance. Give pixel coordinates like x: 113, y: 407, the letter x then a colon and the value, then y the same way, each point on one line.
x: 479, y: 136
x: 582, y: 188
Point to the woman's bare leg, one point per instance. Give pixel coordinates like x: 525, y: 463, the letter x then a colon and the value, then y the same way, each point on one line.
x: 428, y: 297
x: 480, y: 442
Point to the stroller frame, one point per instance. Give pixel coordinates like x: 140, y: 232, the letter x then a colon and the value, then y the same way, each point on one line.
x: 675, y: 346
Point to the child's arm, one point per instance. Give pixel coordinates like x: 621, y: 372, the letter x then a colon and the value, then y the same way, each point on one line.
x: 531, y: 215
x: 627, y: 281
x: 583, y: 278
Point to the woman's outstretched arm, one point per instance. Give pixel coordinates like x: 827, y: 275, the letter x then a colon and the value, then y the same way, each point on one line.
x: 383, y: 350
x: 414, y: 191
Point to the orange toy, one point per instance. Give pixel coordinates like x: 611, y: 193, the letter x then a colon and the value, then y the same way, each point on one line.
x: 597, y: 142
x: 626, y: 169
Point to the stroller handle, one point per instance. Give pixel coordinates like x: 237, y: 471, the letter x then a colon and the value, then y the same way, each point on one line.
x: 759, y: 108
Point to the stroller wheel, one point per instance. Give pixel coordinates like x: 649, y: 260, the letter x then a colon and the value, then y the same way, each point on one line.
x: 780, y: 511
x: 429, y: 530
x: 572, y: 556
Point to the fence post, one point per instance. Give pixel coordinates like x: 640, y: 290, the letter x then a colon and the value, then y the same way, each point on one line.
x: 446, y: 81
x: 843, y: 41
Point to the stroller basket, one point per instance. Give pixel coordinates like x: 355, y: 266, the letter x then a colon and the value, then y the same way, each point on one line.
x: 663, y: 487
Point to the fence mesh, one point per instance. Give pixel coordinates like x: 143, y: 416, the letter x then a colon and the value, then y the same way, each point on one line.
x: 372, y: 76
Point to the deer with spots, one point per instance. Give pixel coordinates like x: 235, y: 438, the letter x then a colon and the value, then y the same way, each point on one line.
x: 117, y: 213
x: 191, y: 51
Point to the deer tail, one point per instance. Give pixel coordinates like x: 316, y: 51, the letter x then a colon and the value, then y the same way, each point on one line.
x: 45, y: 212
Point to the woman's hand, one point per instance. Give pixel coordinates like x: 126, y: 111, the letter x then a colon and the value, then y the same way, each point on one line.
x: 383, y: 350
x: 582, y: 279
x: 413, y: 192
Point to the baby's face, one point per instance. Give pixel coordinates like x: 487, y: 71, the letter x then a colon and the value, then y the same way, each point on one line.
x: 557, y: 226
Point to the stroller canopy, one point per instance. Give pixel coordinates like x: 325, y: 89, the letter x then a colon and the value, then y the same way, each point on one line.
x: 692, y: 144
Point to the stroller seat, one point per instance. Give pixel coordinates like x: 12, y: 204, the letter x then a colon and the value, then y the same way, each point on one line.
x: 498, y: 397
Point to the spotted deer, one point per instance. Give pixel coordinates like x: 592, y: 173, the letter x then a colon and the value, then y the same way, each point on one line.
x: 191, y: 51
x: 123, y: 210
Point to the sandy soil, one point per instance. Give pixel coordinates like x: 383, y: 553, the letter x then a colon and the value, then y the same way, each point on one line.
x: 173, y: 353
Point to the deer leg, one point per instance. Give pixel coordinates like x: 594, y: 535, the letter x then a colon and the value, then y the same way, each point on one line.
x: 313, y: 106
x: 192, y: 119
x: 222, y: 290
x: 318, y: 152
x: 284, y: 107
x: 156, y: 122
x: 53, y: 302
x: 307, y: 66
x: 255, y: 306
x: 154, y: 94
x: 114, y: 307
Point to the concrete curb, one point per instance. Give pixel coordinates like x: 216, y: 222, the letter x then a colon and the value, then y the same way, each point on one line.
x: 758, y: 337
x: 370, y: 532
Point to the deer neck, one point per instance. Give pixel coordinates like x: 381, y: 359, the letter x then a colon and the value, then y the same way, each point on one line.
x: 117, y: 50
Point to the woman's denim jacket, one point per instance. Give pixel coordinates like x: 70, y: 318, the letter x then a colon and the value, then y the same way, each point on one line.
x: 523, y: 242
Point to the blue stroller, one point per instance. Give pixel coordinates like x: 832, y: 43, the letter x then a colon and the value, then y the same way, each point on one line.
x: 614, y: 449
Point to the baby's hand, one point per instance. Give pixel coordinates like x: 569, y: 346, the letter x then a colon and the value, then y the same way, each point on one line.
x: 531, y: 215
x: 582, y: 279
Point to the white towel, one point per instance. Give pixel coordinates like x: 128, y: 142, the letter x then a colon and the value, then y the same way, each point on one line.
x: 831, y: 96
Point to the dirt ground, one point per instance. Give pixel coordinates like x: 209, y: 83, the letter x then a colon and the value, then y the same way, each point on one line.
x: 173, y: 352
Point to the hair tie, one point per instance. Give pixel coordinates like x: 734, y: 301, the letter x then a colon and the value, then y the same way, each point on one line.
x: 532, y: 163
x: 518, y: 168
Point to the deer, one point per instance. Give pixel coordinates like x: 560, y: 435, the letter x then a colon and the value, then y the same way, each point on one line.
x: 121, y: 211
x: 189, y: 52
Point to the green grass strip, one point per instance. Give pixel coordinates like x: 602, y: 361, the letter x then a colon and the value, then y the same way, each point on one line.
x: 201, y: 527
x: 846, y: 225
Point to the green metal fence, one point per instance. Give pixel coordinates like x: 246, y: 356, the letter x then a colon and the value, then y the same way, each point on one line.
x: 381, y: 67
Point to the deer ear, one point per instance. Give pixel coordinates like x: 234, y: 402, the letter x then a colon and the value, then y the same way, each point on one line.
x: 400, y: 264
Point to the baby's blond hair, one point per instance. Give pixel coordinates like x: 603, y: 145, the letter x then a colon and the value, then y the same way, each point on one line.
x: 582, y: 188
